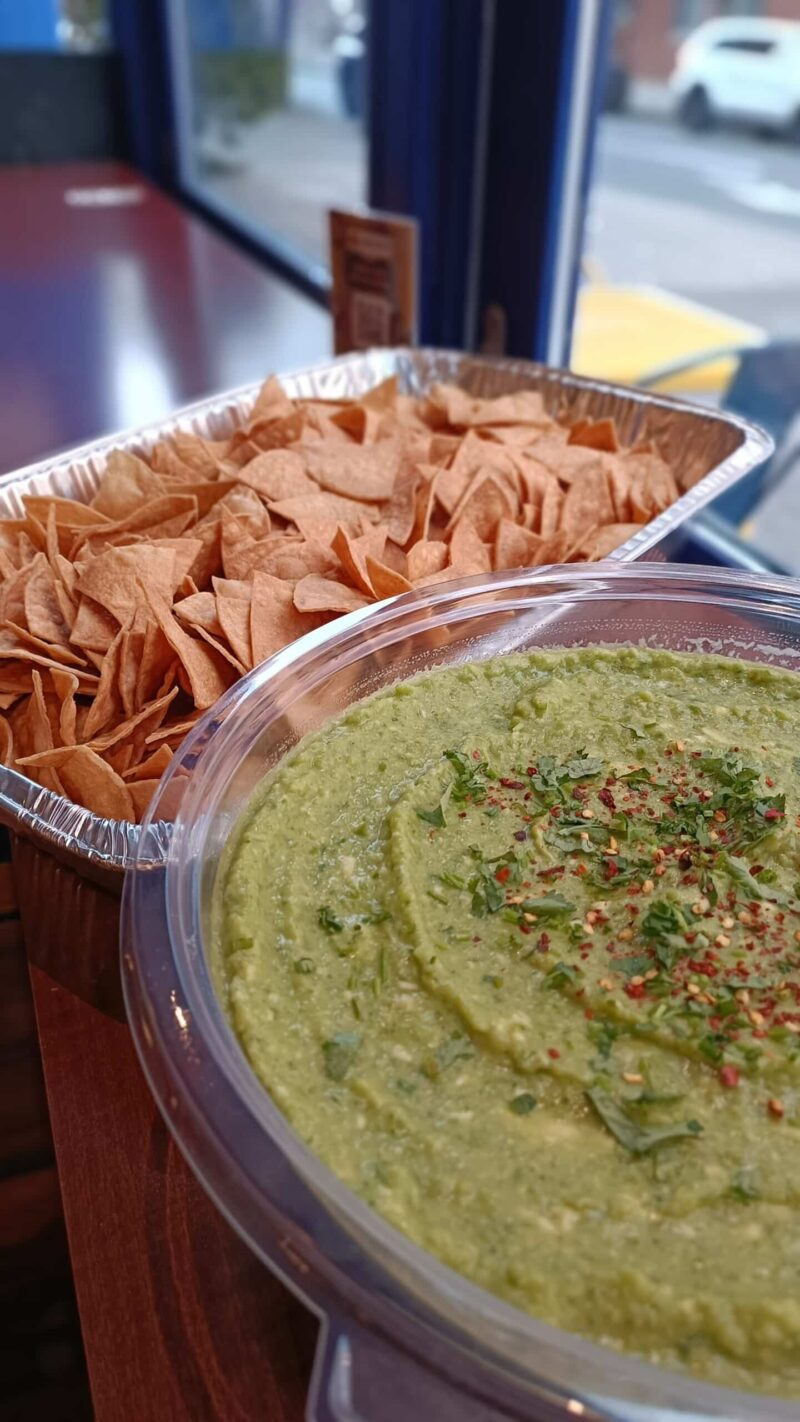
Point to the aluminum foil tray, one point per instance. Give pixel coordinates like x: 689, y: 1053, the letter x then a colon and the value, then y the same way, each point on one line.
x: 708, y: 452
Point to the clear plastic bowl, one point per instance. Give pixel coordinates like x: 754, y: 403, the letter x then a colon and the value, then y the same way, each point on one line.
x: 403, y: 1336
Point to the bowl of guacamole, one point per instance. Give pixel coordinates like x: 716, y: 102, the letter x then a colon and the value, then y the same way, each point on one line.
x: 498, y: 903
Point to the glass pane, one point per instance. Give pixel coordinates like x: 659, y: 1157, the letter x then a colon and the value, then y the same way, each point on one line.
x: 693, y: 230
x: 274, y: 110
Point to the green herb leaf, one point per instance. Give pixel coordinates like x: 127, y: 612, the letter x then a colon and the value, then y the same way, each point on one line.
x: 523, y: 1104
x: 633, y: 967
x: 339, y: 1053
x: 559, y: 975
x: 329, y: 921
x: 469, y: 782
x: 433, y: 817
x: 664, y: 926
x: 455, y: 1049
x: 744, y: 1185
x: 741, y: 875
x: 548, y: 906
x: 303, y: 965
x: 637, y: 1139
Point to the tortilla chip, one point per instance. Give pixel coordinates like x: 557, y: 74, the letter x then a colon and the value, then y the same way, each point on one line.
x: 599, y: 542
x: 352, y: 554
x: 199, y: 610
x: 233, y: 614
x: 317, y: 594
x: 550, y: 512
x: 294, y: 560
x: 14, y: 638
x: 317, y: 516
x: 400, y: 512
x: 272, y: 403
x: 127, y: 482
x: 150, y: 769
x: 600, y: 434
x: 587, y: 502
x: 274, y: 619
x: 426, y: 558
x: 459, y: 408
x: 485, y: 501
x: 385, y: 581
x: 277, y: 474
x: 468, y: 553
x: 86, y: 779
x: 516, y: 547
x: 208, y: 676
x: 367, y: 473
x: 65, y: 685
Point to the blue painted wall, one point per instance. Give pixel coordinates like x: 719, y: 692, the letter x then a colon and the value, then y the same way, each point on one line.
x: 28, y: 24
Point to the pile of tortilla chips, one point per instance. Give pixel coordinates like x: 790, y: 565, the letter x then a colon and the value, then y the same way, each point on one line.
x: 124, y: 619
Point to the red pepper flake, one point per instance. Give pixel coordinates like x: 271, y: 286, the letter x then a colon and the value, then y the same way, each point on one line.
x: 635, y: 989
x: 553, y: 1052
x: 588, y: 1013
x: 462, y: 814
x: 524, y: 927
x: 606, y: 798
x: 511, y: 784
x: 729, y: 1076
x: 520, y: 834
x: 612, y: 869
x: 502, y: 874
x: 581, y: 870
x: 531, y: 770
x: 476, y: 755
x: 775, y: 1107
x: 543, y: 943
x: 773, y: 815
x: 555, y: 871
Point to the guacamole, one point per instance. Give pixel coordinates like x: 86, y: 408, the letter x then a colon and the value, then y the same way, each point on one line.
x: 515, y: 946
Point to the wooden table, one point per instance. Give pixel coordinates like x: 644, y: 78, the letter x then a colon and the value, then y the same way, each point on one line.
x: 180, y: 1320
x: 115, y: 307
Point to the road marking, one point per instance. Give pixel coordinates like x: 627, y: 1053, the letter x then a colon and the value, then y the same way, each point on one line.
x: 773, y: 197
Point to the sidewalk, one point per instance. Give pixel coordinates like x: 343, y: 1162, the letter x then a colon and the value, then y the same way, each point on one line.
x: 650, y: 98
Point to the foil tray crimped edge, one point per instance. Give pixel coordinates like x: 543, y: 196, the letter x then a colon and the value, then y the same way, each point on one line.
x: 709, y: 451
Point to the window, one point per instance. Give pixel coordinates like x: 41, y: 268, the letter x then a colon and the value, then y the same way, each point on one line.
x: 747, y: 46
x: 271, y: 106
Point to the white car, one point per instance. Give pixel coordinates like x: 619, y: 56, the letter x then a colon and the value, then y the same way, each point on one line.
x: 746, y: 70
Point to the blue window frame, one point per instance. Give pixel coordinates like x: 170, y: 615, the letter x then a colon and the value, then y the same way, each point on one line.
x: 478, y: 122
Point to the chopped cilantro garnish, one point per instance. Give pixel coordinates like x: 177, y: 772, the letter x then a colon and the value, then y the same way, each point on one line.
x: 744, y: 1185
x: 339, y: 1053
x: 434, y: 817
x: 559, y: 975
x: 741, y: 875
x: 470, y: 776
x: 637, y: 1139
x: 303, y: 965
x: 454, y: 1049
x: 549, y: 778
x: 664, y: 926
x: 329, y: 921
x: 523, y: 1104
x: 633, y: 967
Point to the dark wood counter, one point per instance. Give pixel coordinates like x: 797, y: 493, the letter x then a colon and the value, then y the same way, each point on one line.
x: 115, y: 307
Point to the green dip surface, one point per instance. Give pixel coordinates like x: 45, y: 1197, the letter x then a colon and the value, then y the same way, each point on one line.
x: 514, y: 946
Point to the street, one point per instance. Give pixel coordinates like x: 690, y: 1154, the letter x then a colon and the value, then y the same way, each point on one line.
x: 714, y: 217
